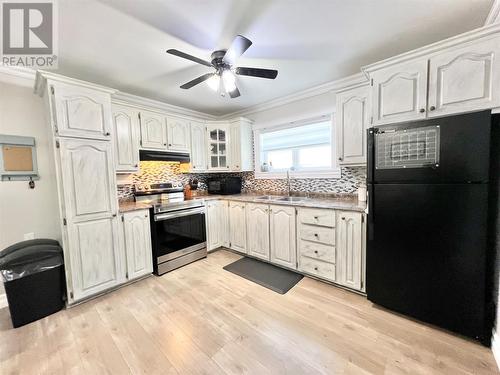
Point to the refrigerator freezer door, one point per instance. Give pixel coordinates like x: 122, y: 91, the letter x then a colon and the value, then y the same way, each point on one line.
x: 426, y: 253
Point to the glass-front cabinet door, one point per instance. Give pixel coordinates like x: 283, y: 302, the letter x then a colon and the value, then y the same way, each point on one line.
x: 218, y: 147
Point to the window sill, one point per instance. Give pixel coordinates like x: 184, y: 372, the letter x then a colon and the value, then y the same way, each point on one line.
x: 335, y: 173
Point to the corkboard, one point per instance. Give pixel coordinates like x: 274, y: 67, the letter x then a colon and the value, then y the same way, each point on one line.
x: 17, y: 158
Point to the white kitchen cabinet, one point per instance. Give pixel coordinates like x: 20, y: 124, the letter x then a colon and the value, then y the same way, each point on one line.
x: 177, y: 134
x: 198, y: 147
x: 465, y: 79
x: 217, y: 224
x: 217, y: 146
x: 126, y: 130
x: 137, y: 241
x: 283, y: 236
x: 90, y: 215
x: 81, y: 112
x: 352, y: 121
x: 257, y: 216
x: 153, y: 131
x: 240, y: 145
x: 237, y: 227
x: 349, y: 249
x: 400, y: 92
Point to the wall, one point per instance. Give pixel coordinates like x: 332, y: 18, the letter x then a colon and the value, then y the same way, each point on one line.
x: 24, y: 210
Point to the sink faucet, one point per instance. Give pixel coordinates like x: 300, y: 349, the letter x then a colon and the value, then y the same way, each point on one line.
x: 288, y: 182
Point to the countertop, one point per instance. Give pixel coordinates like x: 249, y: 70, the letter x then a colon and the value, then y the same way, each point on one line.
x: 345, y: 203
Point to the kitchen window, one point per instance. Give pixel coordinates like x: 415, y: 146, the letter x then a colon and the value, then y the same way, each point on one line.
x: 304, y: 148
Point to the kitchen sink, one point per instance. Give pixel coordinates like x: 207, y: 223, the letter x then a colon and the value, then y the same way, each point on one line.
x: 291, y: 199
x: 267, y: 198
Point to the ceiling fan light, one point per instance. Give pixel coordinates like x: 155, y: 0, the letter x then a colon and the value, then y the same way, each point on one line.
x: 213, y: 82
x: 229, y: 80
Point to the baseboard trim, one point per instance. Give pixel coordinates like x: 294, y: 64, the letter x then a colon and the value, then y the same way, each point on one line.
x: 495, y: 346
x: 3, y: 300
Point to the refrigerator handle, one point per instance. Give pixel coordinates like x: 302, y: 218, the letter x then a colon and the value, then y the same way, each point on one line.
x: 371, y: 213
x: 370, y: 154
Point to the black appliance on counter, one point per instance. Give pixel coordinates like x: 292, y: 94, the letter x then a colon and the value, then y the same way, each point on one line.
x: 224, y: 185
x: 432, y: 220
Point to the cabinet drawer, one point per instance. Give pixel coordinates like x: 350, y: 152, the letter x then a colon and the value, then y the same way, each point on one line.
x: 317, y: 268
x: 323, y: 217
x: 317, y: 234
x: 317, y: 251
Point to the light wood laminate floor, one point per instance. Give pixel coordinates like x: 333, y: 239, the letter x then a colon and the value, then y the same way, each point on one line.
x: 201, y: 319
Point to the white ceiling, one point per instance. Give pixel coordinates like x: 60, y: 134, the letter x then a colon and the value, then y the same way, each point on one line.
x: 122, y: 43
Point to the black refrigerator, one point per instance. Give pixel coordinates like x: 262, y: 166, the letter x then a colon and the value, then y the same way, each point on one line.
x: 432, y: 218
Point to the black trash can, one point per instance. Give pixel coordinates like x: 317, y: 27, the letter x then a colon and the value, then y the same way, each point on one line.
x: 33, y: 276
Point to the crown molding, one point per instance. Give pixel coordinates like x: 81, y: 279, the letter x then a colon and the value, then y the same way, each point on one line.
x: 482, y: 32
x: 494, y: 15
x: 140, y: 102
x: 348, y: 82
x: 43, y: 76
x: 17, y: 76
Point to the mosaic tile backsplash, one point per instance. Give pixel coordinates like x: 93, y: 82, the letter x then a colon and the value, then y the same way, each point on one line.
x: 156, y: 172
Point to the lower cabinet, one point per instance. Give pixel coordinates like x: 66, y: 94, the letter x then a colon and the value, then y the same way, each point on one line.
x: 258, y: 230
x: 217, y: 224
x: 350, y: 249
x: 237, y: 227
x: 282, y: 236
x: 137, y: 241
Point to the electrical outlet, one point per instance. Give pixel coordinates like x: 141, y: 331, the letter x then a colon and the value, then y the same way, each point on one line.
x: 29, y: 236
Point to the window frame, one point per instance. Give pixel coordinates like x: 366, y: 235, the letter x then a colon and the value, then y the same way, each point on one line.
x: 333, y: 172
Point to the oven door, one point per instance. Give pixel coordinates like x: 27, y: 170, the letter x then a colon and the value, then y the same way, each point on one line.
x: 178, y: 233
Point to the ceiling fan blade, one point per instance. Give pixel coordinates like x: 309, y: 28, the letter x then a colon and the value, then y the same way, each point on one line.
x: 235, y: 93
x: 189, y: 57
x: 238, y: 47
x: 257, y: 72
x: 196, y: 81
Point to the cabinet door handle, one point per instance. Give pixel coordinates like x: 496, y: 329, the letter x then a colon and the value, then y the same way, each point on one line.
x: 422, y: 110
x: 114, y: 215
x: 433, y: 108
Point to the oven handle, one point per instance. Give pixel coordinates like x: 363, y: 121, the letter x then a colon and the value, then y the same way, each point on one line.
x: 172, y: 215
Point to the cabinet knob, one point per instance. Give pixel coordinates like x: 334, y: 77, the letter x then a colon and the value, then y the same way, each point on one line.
x: 422, y: 110
x: 237, y: 166
x: 137, y: 165
x: 170, y: 145
x: 107, y: 134
x: 315, y: 251
x: 315, y: 268
x: 343, y: 218
x: 114, y: 215
x: 340, y: 159
x: 164, y: 144
x: 228, y: 167
x: 315, y: 234
x: 433, y: 108
x: 315, y: 218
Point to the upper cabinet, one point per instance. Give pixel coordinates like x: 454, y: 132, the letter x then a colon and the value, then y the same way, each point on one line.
x: 240, y: 145
x: 177, y: 134
x: 461, y: 74
x: 352, y: 120
x: 198, y: 147
x: 218, y: 139
x: 81, y: 112
x: 465, y: 79
x: 400, y: 92
x: 126, y: 133
x: 153, y: 131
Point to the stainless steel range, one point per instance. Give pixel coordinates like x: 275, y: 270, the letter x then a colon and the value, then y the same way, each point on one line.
x: 177, y: 226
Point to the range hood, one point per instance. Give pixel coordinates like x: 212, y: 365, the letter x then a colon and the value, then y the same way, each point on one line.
x: 146, y: 155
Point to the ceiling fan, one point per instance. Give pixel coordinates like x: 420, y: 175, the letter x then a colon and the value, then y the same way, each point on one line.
x: 223, y: 79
